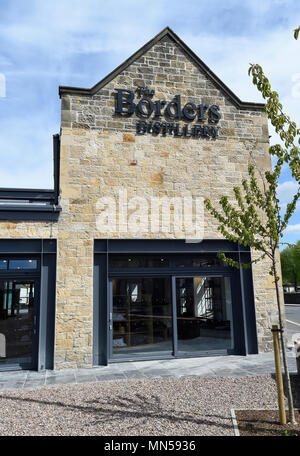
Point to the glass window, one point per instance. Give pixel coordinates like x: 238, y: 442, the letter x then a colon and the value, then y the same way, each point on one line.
x: 22, y: 264
x: 134, y: 261
x: 142, y: 316
x: 16, y: 320
x: 3, y: 265
x: 199, y: 262
x: 204, y: 314
x: 203, y: 260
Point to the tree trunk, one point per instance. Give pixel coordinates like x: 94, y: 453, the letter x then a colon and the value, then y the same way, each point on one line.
x: 283, y: 349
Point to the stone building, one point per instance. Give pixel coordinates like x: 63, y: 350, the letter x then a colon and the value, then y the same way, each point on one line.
x: 119, y: 260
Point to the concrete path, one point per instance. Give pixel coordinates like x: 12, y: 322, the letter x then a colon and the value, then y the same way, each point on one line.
x: 206, y: 366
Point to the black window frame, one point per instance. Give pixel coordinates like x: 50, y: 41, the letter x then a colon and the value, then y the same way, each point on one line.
x: 242, y: 279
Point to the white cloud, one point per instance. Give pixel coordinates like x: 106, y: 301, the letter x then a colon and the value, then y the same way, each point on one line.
x: 293, y: 229
x: 40, y: 177
x: 57, y: 39
x: 287, y: 190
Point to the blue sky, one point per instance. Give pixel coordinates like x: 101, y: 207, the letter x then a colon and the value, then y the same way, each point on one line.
x: 44, y: 44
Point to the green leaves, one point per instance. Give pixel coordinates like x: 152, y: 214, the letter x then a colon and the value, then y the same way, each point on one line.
x: 254, y: 219
x: 284, y: 126
x: 290, y: 264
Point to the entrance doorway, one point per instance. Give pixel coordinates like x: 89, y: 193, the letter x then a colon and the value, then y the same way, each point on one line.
x: 161, y: 298
x: 141, y: 316
x: 204, y: 314
x: 18, y: 322
x: 170, y: 316
x: 19, y: 305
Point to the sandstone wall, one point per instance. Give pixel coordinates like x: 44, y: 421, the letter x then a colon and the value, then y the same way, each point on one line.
x: 101, y: 152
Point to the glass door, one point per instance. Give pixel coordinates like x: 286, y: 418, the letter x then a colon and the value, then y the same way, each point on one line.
x: 170, y: 316
x: 141, y: 323
x: 18, y: 320
x: 203, y: 314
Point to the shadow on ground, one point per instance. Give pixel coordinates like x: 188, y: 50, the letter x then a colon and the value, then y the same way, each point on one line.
x: 140, y: 408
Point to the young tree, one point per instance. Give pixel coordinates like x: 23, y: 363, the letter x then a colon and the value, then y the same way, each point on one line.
x: 255, y: 218
x: 290, y: 264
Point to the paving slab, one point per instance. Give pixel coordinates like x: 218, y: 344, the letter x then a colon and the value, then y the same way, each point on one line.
x: 212, y: 366
x: 134, y: 374
x: 105, y: 377
x: 60, y: 379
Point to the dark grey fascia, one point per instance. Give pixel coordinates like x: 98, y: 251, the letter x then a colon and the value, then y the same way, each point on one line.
x: 36, y: 212
x: 27, y: 246
x: 166, y: 246
x: 28, y: 204
x: 33, y: 204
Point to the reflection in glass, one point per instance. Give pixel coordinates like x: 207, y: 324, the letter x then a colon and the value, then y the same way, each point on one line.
x: 3, y: 265
x: 204, y: 314
x: 142, y: 316
x: 136, y: 261
x: 16, y: 320
x: 22, y: 264
x: 201, y: 261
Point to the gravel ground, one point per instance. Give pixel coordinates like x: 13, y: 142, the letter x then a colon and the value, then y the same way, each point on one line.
x: 194, y: 406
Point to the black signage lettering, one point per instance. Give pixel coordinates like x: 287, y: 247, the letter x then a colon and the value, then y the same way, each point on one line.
x: 144, y: 91
x: 145, y: 103
x: 156, y: 128
x: 214, y: 131
x: 206, y: 130
x: 171, y: 128
x: 202, y: 109
x: 164, y: 128
x: 214, y: 115
x: 158, y: 105
x: 176, y: 104
x: 177, y: 130
x: 190, y: 111
x: 125, y: 97
x: 141, y: 126
x: 185, y: 131
x: 146, y: 107
x: 195, y: 131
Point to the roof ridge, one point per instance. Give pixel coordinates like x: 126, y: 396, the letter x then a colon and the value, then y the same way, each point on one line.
x: 167, y: 31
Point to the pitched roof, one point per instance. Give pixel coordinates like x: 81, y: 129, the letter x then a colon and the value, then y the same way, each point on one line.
x: 166, y: 32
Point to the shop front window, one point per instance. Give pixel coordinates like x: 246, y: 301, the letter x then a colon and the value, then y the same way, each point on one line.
x: 138, y: 261
x: 158, y: 310
x: 204, y: 314
x: 17, y: 264
x: 142, y: 316
x: 16, y: 320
